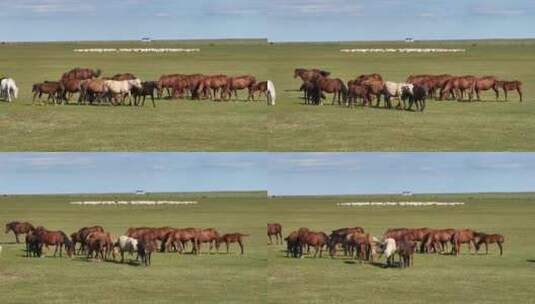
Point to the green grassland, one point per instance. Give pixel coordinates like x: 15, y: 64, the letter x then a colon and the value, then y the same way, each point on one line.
x: 264, y: 274
x: 184, y: 125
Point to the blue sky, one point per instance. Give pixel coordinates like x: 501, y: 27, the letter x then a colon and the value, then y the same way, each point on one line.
x: 280, y: 173
x: 278, y: 20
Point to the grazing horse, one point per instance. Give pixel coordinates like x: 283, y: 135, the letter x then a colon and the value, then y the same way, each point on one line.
x: 179, y: 238
x: 307, y: 75
x: 52, y: 88
x: 145, y: 248
x: 417, y: 95
x: 334, y: 86
x: 271, y: 93
x: 123, y: 88
x: 167, y: 82
x: 93, y: 90
x: 81, y: 236
x: 388, y: 249
x: 239, y: 83
x: 486, y: 83
x: 33, y: 247
x: 260, y: 88
x: 209, y: 236
x: 360, y: 245
x: 318, y: 240
x: 8, y: 89
x: 436, y: 240
x: 54, y: 238
x: 126, y: 244
x: 373, y: 87
x: 230, y: 238
x: 274, y: 229
x: 19, y: 228
x: 71, y: 86
x: 507, y: 86
x: 99, y: 243
x: 292, y: 244
x: 461, y: 237
x: 210, y: 86
x: 356, y: 91
x: 147, y: 89
x: 458, y: 86
x: 483, y: 238
x: 338, y: 237
x: 406, y: 250
x: 397, y: 90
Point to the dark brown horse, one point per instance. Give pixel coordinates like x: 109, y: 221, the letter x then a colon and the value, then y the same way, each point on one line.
x: 230, y: 238
x: 19, y: 228
x: 406, y: 250
x: 274, y: 229
x: 356, y: 92
x: 292, y: 244
x: 483, y: 238
x: 309, y: 74
x: 360, y: 246
x: 145, y: 248
x: 33, y: 247
x: 507, y: 86
x: 71, y: 86
x: 147, y: 89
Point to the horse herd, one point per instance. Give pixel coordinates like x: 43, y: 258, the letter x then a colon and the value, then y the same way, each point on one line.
x: 116, y: 89
x: 415, y: 90
x: 356, y: 243
x: 96, y: 243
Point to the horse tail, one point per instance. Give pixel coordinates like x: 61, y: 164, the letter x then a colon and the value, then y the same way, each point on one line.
x: 97, y: 73
x: 271, y: 92
x: 65, y: 237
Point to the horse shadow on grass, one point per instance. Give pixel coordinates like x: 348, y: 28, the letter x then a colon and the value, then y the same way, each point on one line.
x: 530, y: 261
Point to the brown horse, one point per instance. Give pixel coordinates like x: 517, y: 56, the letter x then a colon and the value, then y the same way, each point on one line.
x: 93, y: 90
x: 145, y: 248
x: 81, y: 74
x: 99, y: 243
x: 240, y: 83
x: 406, y: 250
x: 507, y: 86
x: 167, y: 82
x: 54, y: 238
x: 33, y: 247
x: 81, y: 236
x: 180, y: 87
x: 335, y: 87
x: 462, y: 236
x: 360, y: 246
x: 318, y: 240
x: 458, y: 86
x: 19, y: 228
x: 230, y: 238
x: 179, y: 238
x: 194, y: 80
x: 486, y: 83
x: 53, y: 89
x: 124, y: 76
x: 309, y: 74
x: 374, y: 87
x: 436, y: 240
x: 483, y: 238
x: 260, y: 88
x: 274, y: 229
x: 210, y: 86
x: 209, y: 236
x: 71, y: 86
x: 356, y: 91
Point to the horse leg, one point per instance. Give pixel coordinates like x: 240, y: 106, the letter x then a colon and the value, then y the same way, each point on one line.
x: 486, y: 248
x: 227, y: 245
x: 519, y: 93
x: 270, y: 240
x: 17, y: 238
x: 500, y: 246
x: 241, y: 246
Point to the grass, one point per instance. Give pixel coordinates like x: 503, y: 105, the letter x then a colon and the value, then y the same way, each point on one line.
x: 183, y: 125
x: 264, y: 274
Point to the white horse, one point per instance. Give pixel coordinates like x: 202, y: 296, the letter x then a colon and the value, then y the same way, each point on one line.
x: 123, y: 87
x: 396, y: 89
x: 9, y: 89
x: 388, y: 248
x: 126, y: 244
x: 271, y: 93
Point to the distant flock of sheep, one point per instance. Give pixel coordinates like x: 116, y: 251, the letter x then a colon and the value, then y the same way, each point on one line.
x: 404, y: 50
x: 412, y: 204
x: 147, y: 203
x: 137, y: 50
